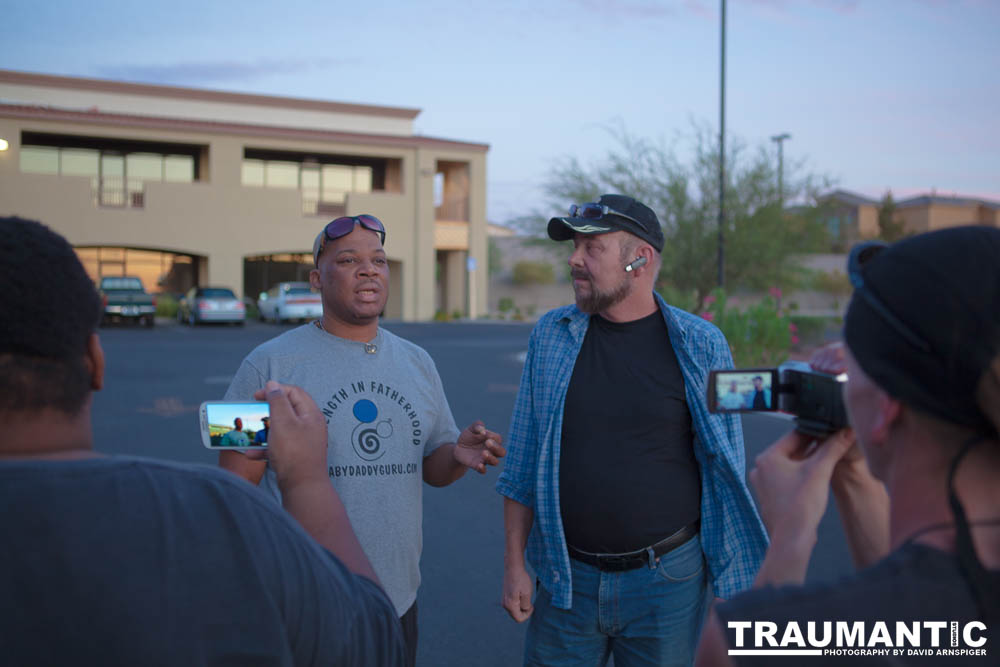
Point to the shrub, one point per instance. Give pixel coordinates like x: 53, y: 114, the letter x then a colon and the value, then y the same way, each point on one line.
x: 527, y: 272
x: 761, y: 335
x: 835, y: 283
x: 166, y: 305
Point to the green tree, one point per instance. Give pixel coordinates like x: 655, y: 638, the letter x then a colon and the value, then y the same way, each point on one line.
x: 889, y: 229
x: 760, y: 238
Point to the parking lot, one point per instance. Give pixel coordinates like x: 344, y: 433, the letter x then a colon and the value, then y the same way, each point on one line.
x: 156, y: 379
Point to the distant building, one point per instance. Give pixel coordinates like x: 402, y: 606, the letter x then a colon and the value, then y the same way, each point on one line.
x: 851, y: 217
x: 929, y: 212
x: 187, y: 187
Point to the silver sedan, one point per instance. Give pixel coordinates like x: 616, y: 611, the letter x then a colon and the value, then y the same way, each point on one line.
x: 211, y: 304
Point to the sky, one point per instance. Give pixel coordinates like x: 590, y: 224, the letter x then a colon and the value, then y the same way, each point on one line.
x: 876, y: 94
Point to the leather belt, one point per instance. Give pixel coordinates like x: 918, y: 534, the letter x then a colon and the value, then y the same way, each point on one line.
x: 638, y: 558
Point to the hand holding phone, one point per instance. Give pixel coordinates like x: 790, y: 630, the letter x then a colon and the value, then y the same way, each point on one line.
x: 297, y: 448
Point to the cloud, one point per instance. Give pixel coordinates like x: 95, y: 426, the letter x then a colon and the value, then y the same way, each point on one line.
x: 218, y: 71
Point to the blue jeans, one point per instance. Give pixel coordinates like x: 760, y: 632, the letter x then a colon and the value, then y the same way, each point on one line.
x: 647, y: 616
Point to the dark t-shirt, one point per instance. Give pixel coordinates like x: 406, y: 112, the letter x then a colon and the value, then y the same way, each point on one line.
x: 627, y: 473
x: 123, y: 561
x: 912, y: 585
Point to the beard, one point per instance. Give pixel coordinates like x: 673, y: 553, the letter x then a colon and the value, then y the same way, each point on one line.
x: 598, y: 301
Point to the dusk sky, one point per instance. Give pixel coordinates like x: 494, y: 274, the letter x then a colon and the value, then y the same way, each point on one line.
x: 900, y: 94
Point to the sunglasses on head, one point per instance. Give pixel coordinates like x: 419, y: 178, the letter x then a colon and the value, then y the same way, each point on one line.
x: 860, y: 256
x: 345, y: 225
x: 594, y: 211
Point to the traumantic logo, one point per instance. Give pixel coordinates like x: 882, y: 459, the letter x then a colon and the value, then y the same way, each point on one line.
x: 856, y: 638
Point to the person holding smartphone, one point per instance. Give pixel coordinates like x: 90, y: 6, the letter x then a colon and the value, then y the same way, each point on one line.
x: 131, y: 561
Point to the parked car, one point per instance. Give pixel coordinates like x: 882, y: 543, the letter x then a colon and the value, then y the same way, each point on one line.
x: 124, y: 298
x: 289, y: 301
x: 211, y: 304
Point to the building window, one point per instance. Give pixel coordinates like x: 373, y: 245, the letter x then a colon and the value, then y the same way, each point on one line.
x: 323, y: 180
x: 118, y: 169
x: 158, y: 271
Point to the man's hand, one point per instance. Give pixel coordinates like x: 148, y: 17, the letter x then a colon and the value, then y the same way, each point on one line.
x: 792, y: 481
x: 517, y: 593
x: 478, y: 447
x: 297, y: 438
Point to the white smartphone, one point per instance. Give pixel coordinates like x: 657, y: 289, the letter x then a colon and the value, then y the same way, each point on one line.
x: 234, y: 424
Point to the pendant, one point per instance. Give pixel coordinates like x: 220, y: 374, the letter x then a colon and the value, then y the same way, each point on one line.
x: 371, y: 348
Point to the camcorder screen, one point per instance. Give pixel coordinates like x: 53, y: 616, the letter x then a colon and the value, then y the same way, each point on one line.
x: 234, y: 425
x: 746, y: 390
x: 813, y: 398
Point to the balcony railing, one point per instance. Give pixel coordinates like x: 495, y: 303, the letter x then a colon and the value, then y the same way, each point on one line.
x: 118, y: 192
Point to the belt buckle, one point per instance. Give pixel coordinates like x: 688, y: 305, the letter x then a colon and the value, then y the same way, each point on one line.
x: 615, y: 563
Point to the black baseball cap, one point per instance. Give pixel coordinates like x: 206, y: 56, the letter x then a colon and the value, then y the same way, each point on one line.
x: 610, y: 213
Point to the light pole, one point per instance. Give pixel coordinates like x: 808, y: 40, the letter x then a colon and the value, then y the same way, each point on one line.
x: 722, y: 149
x: 780, y: 140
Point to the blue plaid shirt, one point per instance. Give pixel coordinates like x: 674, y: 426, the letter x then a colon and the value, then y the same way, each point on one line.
x: 732, y: 534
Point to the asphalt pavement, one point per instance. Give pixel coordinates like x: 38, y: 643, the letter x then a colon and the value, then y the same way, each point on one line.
x: 156, y: 379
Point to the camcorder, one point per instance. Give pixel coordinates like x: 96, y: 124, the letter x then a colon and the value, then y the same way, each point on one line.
x: 813, y: 398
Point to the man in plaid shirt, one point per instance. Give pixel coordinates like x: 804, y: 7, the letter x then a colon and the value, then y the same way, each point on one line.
x: 629, y: 496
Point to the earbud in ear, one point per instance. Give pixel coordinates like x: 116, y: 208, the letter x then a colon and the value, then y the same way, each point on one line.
x: 639, y: 261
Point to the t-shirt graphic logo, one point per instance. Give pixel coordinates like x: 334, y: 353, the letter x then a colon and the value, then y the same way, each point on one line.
x: 367, y: 436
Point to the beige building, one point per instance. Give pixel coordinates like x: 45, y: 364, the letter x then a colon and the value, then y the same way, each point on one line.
x: 188, y: 187
x: 929, y: 212
x: 852, y: 217
x: 849, y: 217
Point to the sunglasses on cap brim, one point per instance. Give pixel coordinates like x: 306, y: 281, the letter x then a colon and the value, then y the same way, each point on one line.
x: 861, y: 255
x: 345, y: 225
x: 594, y: 211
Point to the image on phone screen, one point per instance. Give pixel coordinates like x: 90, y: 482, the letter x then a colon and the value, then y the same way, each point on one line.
x: 234, y: 425
x: 742, y: 391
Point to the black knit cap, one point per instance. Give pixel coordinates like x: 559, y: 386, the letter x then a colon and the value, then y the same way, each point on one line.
x: 942, y: 289
x: 641, y: 222
x: 50, y: 305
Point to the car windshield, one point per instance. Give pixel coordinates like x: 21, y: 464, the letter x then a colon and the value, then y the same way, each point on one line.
x: 297, y: 290
x: 121, y: 283
x: 216, y: 293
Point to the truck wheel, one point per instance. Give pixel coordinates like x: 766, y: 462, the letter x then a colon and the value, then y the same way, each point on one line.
x: 149, y: 321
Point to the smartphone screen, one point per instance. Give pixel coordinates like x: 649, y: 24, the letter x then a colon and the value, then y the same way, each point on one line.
x: 234, y: 425
x: 743, y: 390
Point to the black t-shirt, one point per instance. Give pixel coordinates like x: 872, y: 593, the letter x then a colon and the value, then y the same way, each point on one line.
x: 914, y: 584
x: 627, y: 473
x: 123, y: 561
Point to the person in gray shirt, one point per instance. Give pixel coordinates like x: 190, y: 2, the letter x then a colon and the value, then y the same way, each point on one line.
x: 130, y: 561
x: 388, y: 421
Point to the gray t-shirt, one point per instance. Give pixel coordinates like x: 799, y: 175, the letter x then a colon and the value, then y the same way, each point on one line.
x: 127, y: 561
x: 385, y: 412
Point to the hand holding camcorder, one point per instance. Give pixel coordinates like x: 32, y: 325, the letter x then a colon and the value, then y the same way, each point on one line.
x: 813, y: 398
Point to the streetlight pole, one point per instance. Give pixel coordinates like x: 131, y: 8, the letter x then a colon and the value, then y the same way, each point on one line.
x: 722, y: 149
x: 780, y: 140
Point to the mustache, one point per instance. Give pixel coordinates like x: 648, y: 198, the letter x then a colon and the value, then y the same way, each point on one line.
x: 580, y: 275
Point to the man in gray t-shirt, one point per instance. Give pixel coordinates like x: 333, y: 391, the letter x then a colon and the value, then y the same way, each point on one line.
x: 388, y: 421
